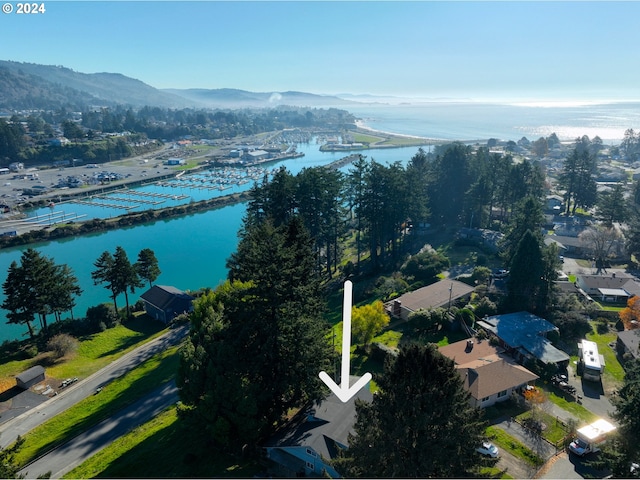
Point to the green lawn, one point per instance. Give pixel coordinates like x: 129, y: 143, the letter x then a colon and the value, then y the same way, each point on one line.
x: 116, y: 395
x: 574, y: 408
x: 94, y: 352
x: 612, y: 370
x: 163, y: 448
x: 513, y: 446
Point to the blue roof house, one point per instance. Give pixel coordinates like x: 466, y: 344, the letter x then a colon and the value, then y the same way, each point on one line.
x: 524, y: 335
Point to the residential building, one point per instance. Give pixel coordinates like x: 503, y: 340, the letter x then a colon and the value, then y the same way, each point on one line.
x: 489, y: 375
x: 306, y: 446
x: 523, y: 335
x: 440, y: 294
x: 614, y: 287
x: 629, y: 342
x: 164, y: 303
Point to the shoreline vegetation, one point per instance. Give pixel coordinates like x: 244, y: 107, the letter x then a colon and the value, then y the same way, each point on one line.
x: 374, y: 140
x: 365, y: 138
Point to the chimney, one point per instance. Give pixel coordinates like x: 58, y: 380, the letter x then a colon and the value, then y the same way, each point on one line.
x: 397, y: 304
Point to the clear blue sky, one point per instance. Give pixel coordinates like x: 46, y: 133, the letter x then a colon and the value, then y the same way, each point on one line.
x: 502, y: 49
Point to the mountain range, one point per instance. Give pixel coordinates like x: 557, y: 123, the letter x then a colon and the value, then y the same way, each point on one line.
x: 48, y: 87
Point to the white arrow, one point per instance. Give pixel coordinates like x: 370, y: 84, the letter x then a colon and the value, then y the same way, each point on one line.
x: 344, y: 392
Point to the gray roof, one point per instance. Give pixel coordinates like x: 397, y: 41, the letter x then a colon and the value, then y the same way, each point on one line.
x: 620, y: 280
x: 30, y: 374
x: 631, y: 341
x: 434, y: 295
x: 525, y: 331
x: 324, y: 427
x: 162, y: 296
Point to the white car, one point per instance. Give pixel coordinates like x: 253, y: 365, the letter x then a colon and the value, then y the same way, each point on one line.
x: 488, y: 449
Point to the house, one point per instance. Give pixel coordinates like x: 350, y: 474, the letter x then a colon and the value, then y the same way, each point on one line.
x: 554, y: 203
x: 308, y: 444
x: 614, y: 287
x: 567, y: 244
x: 29, y: 378
x: 489, y: 375
x: 165, y: 303
x: 481, y: 237
x: 439, y: 294
x: 629, y: 342
x: 523, y: 335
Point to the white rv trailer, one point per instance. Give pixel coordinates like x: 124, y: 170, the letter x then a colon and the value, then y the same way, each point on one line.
x: 591, y: 362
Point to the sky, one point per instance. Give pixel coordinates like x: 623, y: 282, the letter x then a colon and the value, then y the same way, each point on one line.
x: 525, y: 51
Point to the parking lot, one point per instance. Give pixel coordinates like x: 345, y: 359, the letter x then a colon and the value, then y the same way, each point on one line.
x: 50, y: 180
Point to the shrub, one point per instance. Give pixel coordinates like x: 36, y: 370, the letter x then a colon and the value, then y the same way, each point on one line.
x: 62, y: 344
x: 103, y: 313
x: 31, y: 351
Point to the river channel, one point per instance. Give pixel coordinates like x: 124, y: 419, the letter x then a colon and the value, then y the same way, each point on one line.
x: 191, y: 250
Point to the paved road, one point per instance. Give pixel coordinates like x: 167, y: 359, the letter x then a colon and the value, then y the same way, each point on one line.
x: 66, y: 457
x: 22, y: 424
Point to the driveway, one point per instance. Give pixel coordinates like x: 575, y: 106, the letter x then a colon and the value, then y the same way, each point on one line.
x: 568, y: 466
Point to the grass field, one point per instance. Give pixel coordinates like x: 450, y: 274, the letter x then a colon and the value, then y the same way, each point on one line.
x: 613, y: 369
x: 94, y: 352
x: 89, y: 412
x: 163, y: 448
x: 513, y: 446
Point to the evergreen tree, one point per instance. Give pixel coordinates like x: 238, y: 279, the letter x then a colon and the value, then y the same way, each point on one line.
x: 527, y: 216
x: 526, y: 281
x: 451, y: 181
x: 125, y: 275
x: 65, y: 288
x: 419, y: 425
x: 578, y: 179
x: 38, y: 287
x: 611, y: 206
x: 355, y: 193
x: 105, y: 274
x: 258, y: 342
x: 620, y: 452
x: 18, y: 298
x: 147, y: 266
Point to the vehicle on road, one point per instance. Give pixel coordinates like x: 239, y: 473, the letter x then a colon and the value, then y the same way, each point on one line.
x: 488, y: 449
x: 590, y: 438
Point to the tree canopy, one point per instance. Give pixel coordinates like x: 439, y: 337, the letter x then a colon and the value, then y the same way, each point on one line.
x: 419, y: 425
x: 258, y: 342
x: 37, y: 287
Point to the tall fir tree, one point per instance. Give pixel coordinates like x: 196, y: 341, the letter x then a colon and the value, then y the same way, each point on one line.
x: 419, y: 425
x: 258, y: 342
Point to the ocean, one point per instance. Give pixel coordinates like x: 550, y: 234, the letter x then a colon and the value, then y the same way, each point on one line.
x: 470, y: 121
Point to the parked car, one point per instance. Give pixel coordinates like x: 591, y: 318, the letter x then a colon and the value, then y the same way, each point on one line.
x: 488, y: 449
x: 501, y: 273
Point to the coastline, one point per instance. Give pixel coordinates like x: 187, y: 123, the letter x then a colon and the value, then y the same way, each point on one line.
x: 361, y: 125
